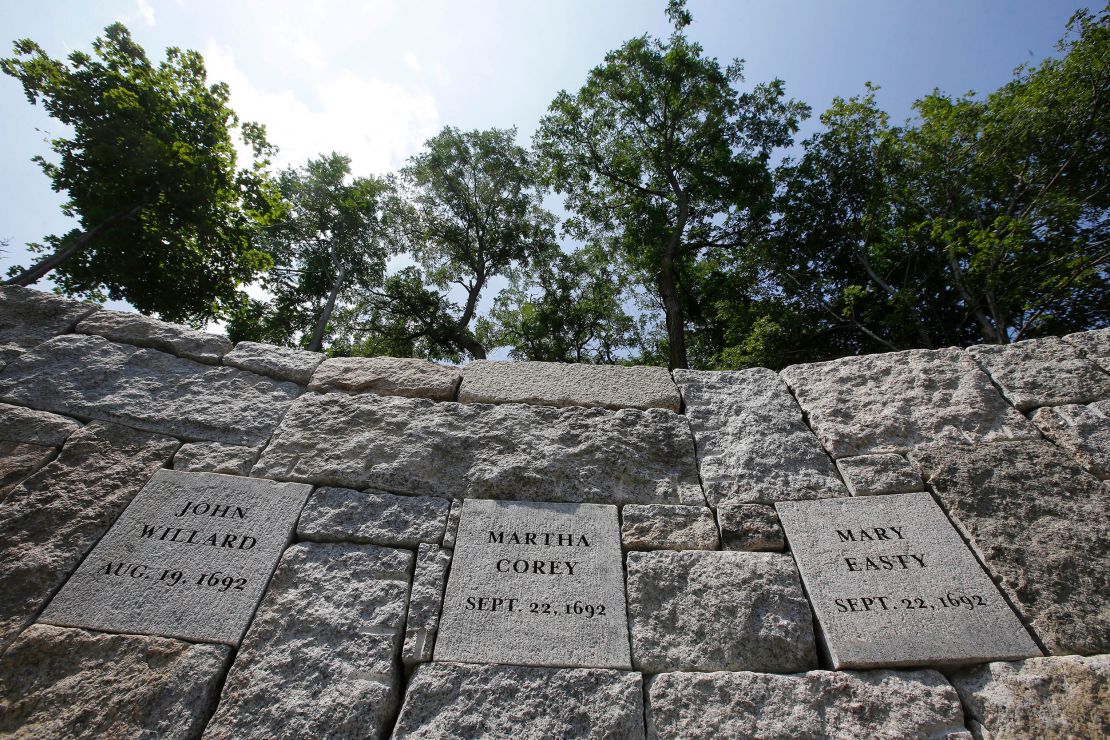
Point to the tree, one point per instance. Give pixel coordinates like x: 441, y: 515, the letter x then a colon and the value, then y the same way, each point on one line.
x: 327, y: 249
x: 166, y: 219
x: 660, y: 156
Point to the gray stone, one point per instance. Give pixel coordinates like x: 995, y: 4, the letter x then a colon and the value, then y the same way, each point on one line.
x: 510, y: 451
x: 283, y: 363
x: 143, y: 331
x: 92, y: 378
x: 1038, y: 522
x: 320, y: 658
x: 67, y: 683
x: 750, y: 527
x: 820, y: 704
x: 665, y: 527
x: 1084, y: 431
x: 897, y: 401
x: 18, y: 424
x: 1048, y: 698
x: 189, y: 558
x: 451, y: 700
x: 564, y: 384
x: 425, y: 603
x: 873, y: 475
x: 753, y: 446
x: 452, y: 529
x: 718, y: 611
x: 387, y: 376
x: 215, y: 457
x: 893, y: 584
x: 372, y: 517
x: 29, y: 317
x: 51, y: 519
x: 535, y: 584
x: 1094, y: 345
x: 1042, y: 372
x: 17, y: 461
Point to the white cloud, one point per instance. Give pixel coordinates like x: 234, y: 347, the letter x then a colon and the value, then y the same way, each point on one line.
x: 411, y: 61
x: 146, y: 11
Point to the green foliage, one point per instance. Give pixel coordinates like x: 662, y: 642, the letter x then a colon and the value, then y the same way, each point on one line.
x: 166, y: 219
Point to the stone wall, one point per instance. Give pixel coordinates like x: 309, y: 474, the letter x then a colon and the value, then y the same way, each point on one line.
x: 988, y: 467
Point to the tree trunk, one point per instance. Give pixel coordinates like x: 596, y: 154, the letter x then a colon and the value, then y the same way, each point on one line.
x: 463, y: 337
x: 672, y: 309
x: 317, y: 342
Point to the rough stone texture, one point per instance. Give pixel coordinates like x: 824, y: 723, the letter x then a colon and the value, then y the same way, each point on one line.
x: 223, y: 533
x: 897, y: 401
x: 452, y: 529
x: 450, y: 700
x: 17, y: 461
x: 893, y: 585
x: 750, y: 527
x: 320, y: 658
x: 68, y: 683
x: 283, y: 363
x: 215, y: 457
x: 92, y: 378
x: 753, y: 446
x: 1046, y: 698
x: 563, y: 384
x: 372, y: 517
x: 1094, y: 345
x: 387, y: 376
x: 54, y: 517
x: 18, y: 424
x: 664, y: 527
x: 1084, y: 431
x: 818, y: 704
x: 1039, y: 523
x: 1042, y: 372
x: 872, y: 475
x: 29, y: 317
x: 143, y: 331
x: 510, y: 451
x: 425, y: 602
x: 718, y: 611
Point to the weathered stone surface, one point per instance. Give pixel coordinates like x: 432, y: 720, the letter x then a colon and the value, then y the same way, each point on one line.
x: 50, y: 520
x: 1094, y: 345
x: 320, y: 658
x: 452, y: 529
x: 215, y: 457
x: 387, y: 376
x: 665, y: 527
x: 510, y: 451
x: 893, y: 584
x: 17, y: 461
x: 92, y: 378
x: 750, y: 527
x: 372, y: 517
x: 536, y: 584
x: 1039, y: 523
x: 563, y: 384
x: 501, y: 701
x: 425, y: 601
x: 819, y: 704
x: 753, y: 446
x: 1042, y: 372
x: 68, y: 683
x: 873, y: 475
x: 18, y: 424
x: 190, y: 558
x: 1049, y: 698
x: 1084, y: 431
x: 718, y: 611
x: 897, y: 401
x: 143, y: 331
x: 29, y: 317
x: 283, y: 363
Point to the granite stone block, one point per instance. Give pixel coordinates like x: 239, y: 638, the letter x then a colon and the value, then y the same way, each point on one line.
x: 127, y: 327
x: 282, y: 363
x: 387, y: 376
x: 425, y: 602
x: 29, y: 317
x: 1093, y: 345
x: 452, y: 529
x: 1042, y: 372
x: 17, y: 461
x: 873, y: 475
x: 665, y: 527
x: 372, y: 517
x: 215, y: 457
x: 1084, y: 431
x: 18, y: 424
x: 750, y: 527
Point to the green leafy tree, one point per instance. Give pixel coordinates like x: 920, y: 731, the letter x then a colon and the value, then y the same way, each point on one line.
x: 660, y: 156
x: 149, y: 172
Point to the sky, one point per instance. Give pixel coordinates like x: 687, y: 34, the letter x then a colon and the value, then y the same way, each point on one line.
x: 374, y: 79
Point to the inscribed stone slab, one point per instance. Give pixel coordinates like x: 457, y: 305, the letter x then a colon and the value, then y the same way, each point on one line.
x: 189, y: 558
x: 893, y: 584
x: 536, y: 584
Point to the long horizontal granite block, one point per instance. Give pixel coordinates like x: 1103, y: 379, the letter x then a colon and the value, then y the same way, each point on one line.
x: 1093, y: 345
x: 1084, y: 431
x: 1043, y: 372
x: 372, y: 517
x: 128, y: 327
x: 18, y: 424
x: 510, y: 451
x: 387, y: 376
x: 29, y: 317
x: 283, y: 363
x: 91, y: 378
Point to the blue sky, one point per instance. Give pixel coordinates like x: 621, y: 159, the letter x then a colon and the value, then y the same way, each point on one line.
x: 375, y: 78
